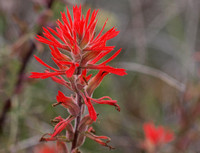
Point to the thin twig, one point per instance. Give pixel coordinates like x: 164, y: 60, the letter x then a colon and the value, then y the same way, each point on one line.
x: 161, y: 20
x: 154, y: 72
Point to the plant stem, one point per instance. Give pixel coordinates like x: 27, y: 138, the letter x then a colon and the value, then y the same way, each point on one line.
x: 77, y: 121
x: 76, y: 133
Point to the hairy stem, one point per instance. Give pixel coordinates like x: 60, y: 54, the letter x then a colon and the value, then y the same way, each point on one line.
x: 78, y: 118
x: 76, y: 133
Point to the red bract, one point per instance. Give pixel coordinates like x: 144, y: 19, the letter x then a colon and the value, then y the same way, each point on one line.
x: 95, y: 82
x: 98, y: 139
x: 76, y: 50
x: 68, y: 103
x: 90, y: 107
x: 58, y: 129
x: 157, y: 136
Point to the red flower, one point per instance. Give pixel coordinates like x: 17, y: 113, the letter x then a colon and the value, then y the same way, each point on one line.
x: 98, y: 139
x: 157, y: 136
x: 76, y: 50
x: 60, y: 148
x: 103, y: 100
x: 62, y: 124
x: 67, y: 102
x: 81, y: 51
x: 90, y: 107
x: 46, y: 149
x: 77, y: 37
x: 95, y: 82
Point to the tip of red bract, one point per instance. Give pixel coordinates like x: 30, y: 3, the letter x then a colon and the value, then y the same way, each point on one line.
x: 34, y: 75
x: 119, y: 71
x: 76, y: 6
x: 31, y: 76
x: 124, y: 73
x: 117, y: 107
x: 60, y: 97
x: 94, y: 118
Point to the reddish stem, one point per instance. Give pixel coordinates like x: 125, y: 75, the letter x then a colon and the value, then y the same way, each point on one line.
x: 78, y: 119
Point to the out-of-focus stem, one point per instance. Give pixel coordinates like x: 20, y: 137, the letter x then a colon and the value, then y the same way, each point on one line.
x: 8, y: 103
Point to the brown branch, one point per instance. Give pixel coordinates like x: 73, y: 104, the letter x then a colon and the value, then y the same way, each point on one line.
x: 19, y: 83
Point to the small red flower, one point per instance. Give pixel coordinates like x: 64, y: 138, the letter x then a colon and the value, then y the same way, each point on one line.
x: 58, y: 129
x: 90, y: 107
x: 68, y: 103
x: 46, y: 149
x: 157, y: 136
x: 59, y: 148
x: 103, y: 100
x: 102, y: 140
x: 95, y: 81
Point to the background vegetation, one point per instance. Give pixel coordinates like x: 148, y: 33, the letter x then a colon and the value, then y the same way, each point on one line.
x: 160, y: 41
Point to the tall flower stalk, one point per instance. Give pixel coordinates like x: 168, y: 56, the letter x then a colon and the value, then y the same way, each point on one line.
x: 76, y: 49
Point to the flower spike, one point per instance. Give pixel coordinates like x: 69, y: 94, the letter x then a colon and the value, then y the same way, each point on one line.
x: 76, y: 50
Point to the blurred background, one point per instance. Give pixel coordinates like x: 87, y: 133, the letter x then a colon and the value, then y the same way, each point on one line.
x: 160, y: 42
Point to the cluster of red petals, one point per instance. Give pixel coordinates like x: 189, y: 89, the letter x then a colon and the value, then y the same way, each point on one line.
x: 76, y: 49
x: 77, y: 38
x: 157, y: 136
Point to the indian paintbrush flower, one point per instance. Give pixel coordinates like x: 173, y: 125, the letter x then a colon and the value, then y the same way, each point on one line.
x: 76, y: 49
x: 156, y: 136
